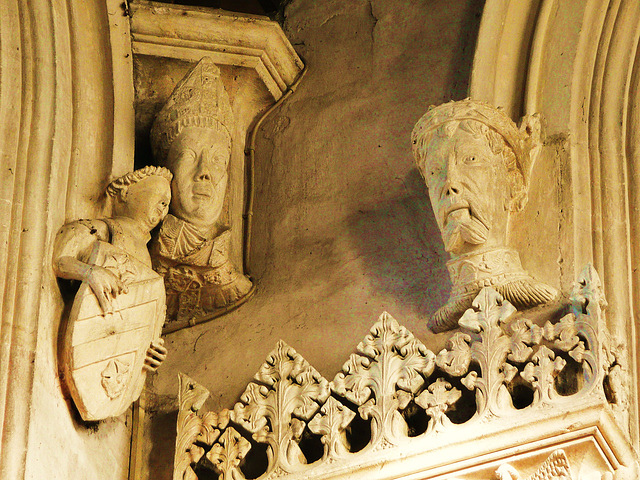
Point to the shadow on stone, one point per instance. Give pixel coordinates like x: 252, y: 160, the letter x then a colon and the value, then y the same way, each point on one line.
x: 401, y: 246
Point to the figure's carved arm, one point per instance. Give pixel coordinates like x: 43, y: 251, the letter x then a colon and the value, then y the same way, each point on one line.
x: 72, y: 247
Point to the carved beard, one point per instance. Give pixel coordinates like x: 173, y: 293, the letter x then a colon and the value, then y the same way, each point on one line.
x: 463, y: 227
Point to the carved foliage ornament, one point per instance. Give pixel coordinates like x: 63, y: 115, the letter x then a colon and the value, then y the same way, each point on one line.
x: 393, y: 379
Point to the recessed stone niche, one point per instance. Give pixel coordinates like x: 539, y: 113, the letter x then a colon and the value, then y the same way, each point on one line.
x: 257, y: 65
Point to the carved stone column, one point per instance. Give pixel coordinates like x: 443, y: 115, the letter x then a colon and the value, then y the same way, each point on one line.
x: 58, y: 120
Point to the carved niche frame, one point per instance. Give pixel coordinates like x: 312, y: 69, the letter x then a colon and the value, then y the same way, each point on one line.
x: 258, y: 65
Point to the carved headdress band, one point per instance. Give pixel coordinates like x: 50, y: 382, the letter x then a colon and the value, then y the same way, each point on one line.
x: 198, y: 100
x: 520, y: 140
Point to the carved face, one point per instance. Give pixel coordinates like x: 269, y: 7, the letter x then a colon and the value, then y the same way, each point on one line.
x: 146, y: 201
x: 198, y: 159
x: 469, y: 191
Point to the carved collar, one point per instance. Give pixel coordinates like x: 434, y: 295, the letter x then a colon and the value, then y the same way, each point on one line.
x: 178, y: 240
x: 475, y: 270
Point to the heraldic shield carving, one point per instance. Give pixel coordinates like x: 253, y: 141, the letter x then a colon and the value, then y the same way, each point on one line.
x: 103, y: 355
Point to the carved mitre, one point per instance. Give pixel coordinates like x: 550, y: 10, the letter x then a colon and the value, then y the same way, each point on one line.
x: 472, y: 197
x: 198, y: 100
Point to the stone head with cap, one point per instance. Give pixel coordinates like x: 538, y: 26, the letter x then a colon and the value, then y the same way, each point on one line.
x: 192, y: 137
x: 476, y: 163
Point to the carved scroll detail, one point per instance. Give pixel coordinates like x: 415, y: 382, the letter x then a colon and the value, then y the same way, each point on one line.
x: 394, y: 379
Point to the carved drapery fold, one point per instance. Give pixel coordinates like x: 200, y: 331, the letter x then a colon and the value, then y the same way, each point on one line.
x: 396, y: 399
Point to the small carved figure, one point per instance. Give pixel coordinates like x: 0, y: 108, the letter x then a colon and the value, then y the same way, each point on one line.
x: 192, y: 137
x: 113, y: 331
x: 476, y: 163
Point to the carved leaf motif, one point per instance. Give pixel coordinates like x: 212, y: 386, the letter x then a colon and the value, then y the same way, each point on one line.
x: 525, y: 334
x: 225, y: 455
x: 436, y: 400
x: 191, y: 398
x: 291, y: 391
x: 489, y: 311
x: 212, y: 425
x: 587, y: 295
x: 331, y: 422
x: 563, y: 333
x: 541, y: 373
x: 389, y: 358
x: 456, y: 358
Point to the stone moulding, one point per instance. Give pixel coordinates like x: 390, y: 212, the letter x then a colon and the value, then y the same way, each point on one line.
x: 507, y: 399
x: 190, y: 33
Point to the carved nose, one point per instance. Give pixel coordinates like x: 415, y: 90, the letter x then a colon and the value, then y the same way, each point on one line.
x: 452, y: 190
x: 203, y: 172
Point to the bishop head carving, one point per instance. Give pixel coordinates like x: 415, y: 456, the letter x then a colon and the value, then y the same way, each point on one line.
x: 191, y: 136
x: 477, y: 163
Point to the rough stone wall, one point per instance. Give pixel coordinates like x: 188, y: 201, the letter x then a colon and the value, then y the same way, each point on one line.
x: 343, y: 229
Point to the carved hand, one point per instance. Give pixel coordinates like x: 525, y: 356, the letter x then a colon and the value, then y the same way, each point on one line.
x: 105, y: 285
x: 156, y: 354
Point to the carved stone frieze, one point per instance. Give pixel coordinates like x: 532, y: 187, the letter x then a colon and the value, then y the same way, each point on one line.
x: 477, y: 165
x: 396, y: 408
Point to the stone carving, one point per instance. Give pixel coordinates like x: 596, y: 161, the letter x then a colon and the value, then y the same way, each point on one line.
x: 476, y: 163
x: 369, y: 418
x: 556, y: 467
x: 275, y: 410
x: 226, y: 455
x: 192, y: 137
x: 114, y: 378
x: 330, y: 422
x: 390, y: 366
x: 112, y: 335
x: 436, y: 400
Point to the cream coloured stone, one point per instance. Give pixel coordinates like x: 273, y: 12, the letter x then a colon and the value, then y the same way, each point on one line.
x: 112, y: 335
x: 477, y: 164
x: 192, y: 137
x: 568, y: 426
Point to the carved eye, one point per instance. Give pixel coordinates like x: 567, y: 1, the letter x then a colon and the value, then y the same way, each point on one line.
x: 470, y: 159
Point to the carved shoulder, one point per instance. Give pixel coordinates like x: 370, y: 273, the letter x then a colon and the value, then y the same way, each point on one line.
x: 75, y: 239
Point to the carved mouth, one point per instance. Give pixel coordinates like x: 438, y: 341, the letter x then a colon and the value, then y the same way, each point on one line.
x: 455, y: 208
x: 202, y: 190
